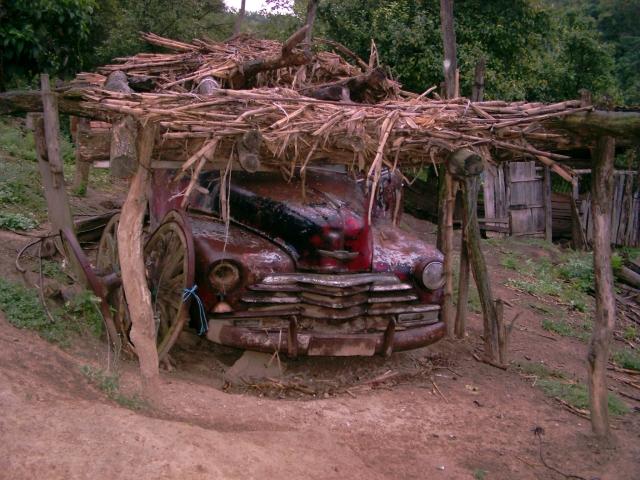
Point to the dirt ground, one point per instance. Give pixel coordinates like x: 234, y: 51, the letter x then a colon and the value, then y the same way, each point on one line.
x: 430, y: 413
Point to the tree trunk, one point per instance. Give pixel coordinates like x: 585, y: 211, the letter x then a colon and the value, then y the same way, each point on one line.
x: 604, y: 321
x: 449, y: 41
x: 240, y: 19
x: 143, y: 332
x: 311, y: 16
x: 477, y: 91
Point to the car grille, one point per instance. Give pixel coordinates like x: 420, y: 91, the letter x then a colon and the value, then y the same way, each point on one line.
x: 339, y: 297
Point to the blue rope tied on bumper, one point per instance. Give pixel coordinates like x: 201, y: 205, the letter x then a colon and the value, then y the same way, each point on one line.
x: 204, y: 326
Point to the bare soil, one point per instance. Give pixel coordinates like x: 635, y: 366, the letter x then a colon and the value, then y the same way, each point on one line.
x: 430, y: 413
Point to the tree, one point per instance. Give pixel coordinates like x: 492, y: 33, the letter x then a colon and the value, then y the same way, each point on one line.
x: 42, y: 36
x: 116, y: 24
x: 527, y: 45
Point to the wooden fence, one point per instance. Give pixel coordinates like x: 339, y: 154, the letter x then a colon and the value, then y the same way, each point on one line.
x: 625, y: 217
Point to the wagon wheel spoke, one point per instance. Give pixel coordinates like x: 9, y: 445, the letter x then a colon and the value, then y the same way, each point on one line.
x: 170, y: 265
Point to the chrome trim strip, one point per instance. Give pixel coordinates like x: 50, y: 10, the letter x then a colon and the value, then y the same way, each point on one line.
x: 349, y: 280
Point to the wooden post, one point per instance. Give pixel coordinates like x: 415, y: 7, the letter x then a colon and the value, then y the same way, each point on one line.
x: 447, y: 307
x: 58, y: 208
x: 143, y: 332
x: 442, y: 205
x: 48, y: 150
x: 123, y: 156
x: 240, y: 19
x: 309, y: 20
x: 449, y: 40
x: 463, y: 284
x: 465, y: 166
x: 605, y: 317
x: 477, y: 91
x: 548, y: 213
x: 81, y: 178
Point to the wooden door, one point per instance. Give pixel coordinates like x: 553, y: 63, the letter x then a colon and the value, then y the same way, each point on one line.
x: 525, y: 199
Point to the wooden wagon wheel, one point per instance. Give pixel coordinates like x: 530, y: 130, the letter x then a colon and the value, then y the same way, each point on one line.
x: 89, y: 279
x: 169, y: 267
x: 108, y: 262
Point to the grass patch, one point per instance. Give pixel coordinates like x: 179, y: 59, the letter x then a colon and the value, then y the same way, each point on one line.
x: 52, y: 270
x: 565, y: 329
x: 578, y: 395
x: 629, y: 359
x: 479, y: 473
x: 569, y: 281
x: 555, y: 384
x: 110, y: 385
x: 20, y: 143
x: 23, y: 309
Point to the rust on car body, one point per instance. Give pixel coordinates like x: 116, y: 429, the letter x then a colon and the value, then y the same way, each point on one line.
x: 307, y: 274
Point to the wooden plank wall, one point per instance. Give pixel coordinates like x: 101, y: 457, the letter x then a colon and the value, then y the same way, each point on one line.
x: 625, y: 217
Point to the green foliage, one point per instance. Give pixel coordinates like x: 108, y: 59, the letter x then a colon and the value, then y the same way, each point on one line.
x: 23, y: 309
x: 629, y: 359
x: 110, y: 385
x: 117, y: 22
x: 85, y: 309
x: 540, y: 370
x: 17, y: 221
x: 565, y: 329
x: 631, y: 333
x: 533, y: 51
x: 42, y: 35
x: 578, y: 395
x: 555, y: 384
x: 569, y: 281
x: 479, y: 473
x: 52, y: 270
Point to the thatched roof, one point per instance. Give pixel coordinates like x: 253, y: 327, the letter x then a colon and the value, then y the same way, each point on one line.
x: 398, y: 130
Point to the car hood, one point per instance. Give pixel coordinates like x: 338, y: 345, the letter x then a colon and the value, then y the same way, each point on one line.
x: 322, y: 224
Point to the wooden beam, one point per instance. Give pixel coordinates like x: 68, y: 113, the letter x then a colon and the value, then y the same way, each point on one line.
x: 623, y: 125
x: 69, y: 100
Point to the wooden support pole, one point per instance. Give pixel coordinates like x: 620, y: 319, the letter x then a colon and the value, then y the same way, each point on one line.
x: 312, y: 6
x: 605, y: 316
x: 463, y: 284
x: 548, y: 212
x: 143, y: 332
x: 240, y: 19
x: 123, y: 155
x: 450, y: 63
x: 466, y: 166
x: 447, y: 307
x: 477, y: 91
x: 442, y: 205
x: 52, y: 131
x: 81, y: 178
x: 58, y: 208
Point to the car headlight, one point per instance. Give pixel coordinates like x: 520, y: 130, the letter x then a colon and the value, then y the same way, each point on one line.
x: 430, y: 274
x: 224, y: 276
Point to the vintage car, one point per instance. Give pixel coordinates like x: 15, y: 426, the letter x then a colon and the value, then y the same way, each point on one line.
x: 298, y: 267
x: 308, y: 275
